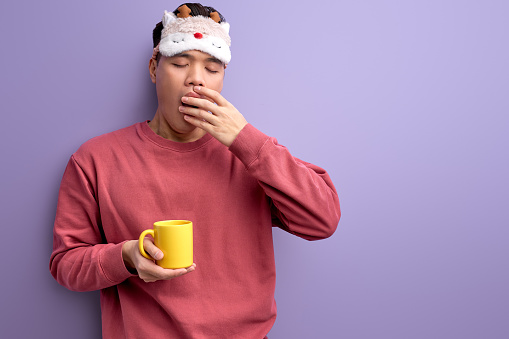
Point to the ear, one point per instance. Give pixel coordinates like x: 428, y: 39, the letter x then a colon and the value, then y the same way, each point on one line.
x: 152, y: 68
x: 168, y: 17
x: 225, y: 26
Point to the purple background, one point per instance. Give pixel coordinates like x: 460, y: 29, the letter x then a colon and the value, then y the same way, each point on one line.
x: 405, y: 103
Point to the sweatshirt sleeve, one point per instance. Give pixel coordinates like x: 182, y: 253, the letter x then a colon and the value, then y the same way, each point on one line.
x: 304, y: 200
x: 81, y: 261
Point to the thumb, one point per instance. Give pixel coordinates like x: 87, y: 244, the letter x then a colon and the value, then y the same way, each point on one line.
x: 152, y: 250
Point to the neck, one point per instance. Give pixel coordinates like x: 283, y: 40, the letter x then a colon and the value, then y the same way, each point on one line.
x: 162, y: 128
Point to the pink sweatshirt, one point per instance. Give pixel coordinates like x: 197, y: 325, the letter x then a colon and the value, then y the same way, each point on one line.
x: 118, y: 184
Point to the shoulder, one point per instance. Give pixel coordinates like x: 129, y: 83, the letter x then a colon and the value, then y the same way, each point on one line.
x: 105, y: 145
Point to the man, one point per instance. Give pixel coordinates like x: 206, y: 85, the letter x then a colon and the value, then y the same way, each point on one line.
x: 197, y: 159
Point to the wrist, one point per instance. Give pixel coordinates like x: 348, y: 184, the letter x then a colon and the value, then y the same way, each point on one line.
x: 126, y: 256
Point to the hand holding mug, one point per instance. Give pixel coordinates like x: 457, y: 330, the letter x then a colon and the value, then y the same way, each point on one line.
x: 146, y: 268
x: 175, y: 240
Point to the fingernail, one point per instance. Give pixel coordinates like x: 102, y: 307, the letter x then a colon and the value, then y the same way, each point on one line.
x: 184, y: 99
x: 197, y: 88
x: 158, y: 255
x: 181, y: 108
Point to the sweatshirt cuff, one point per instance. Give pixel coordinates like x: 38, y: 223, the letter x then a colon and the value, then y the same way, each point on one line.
x: 248, y: 144
x: 112, y: 264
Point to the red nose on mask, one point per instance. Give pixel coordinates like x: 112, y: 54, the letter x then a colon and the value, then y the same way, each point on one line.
x: 198, y: 35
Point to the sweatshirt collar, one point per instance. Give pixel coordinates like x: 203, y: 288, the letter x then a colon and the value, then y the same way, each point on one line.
x: 146, y: 131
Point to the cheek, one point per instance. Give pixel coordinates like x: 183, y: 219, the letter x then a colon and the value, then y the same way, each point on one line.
x: 216, y: 83
x: 167, y: 84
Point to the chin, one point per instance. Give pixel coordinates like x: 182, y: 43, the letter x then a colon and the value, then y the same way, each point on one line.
x: 184, y: 127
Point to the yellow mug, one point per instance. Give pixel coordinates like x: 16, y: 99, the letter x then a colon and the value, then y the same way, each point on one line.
x: 175, y: 239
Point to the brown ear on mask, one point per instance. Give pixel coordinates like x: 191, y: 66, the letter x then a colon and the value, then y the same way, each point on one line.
x: 215, y: 16
x: 184, y: 11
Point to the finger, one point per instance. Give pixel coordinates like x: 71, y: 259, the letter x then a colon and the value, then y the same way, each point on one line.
x: 191, y: 268
x: 199, y: 114
x: 204, y: 125
x: 160, y: 273
x: 204, y: 104
x: 214, y: 95
x: 148, y: 271
x: 152, y: 250
x: 180, y: 271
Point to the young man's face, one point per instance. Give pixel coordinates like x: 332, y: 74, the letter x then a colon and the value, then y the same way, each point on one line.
x: 175, y: 77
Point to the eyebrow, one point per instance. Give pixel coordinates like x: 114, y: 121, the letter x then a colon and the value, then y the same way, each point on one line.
x: 189, y: 56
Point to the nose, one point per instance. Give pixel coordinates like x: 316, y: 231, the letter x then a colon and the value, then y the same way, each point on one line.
x: 195, y: 76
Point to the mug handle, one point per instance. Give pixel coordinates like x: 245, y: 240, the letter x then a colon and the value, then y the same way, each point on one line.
x: 140, y: 243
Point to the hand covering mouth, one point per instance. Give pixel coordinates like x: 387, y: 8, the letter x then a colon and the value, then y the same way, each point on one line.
x: 191, y: 95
